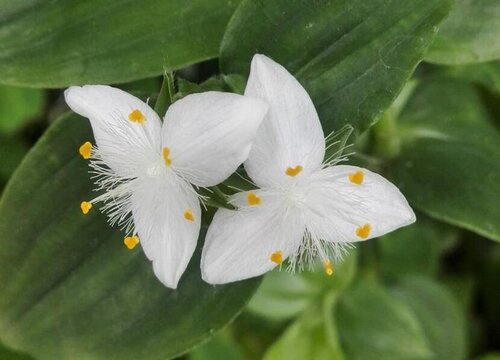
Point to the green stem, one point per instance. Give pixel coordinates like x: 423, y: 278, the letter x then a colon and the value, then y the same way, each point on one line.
x: 329, y: 304
x: 387, y: 140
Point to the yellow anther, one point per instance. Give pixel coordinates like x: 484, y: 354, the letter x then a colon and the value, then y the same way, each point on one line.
x: 85, y: 206
x: 357, y: 177
x: 328, y: 268
x: 137, y: 116
x: 188, y: 215
x: 277, y: 257
x: 253, y: 199
x: 293, y: 171
x: 131, y: 241
x: 86, y: 149
x: 363, y: 231
x: 166, y: 154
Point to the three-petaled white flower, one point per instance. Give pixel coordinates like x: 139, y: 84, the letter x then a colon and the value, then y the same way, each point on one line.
x: 304, y: 209
x: 146, y: 169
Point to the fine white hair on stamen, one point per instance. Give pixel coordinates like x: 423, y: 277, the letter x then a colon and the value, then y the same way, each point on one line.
x: 116, y: 192
x: 313, y: 249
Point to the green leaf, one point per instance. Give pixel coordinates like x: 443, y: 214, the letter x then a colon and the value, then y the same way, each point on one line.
x: 311, y: 336
x: 441, y: 317
x: 415, y: 249
x: 17, y: 106
x: 7, y: 354
x: 375, y: 325
x: 283, y: 295
x: 221, y: 346
x: 486, y: 74
x: 12, y: 151
x: 70, y: 289
x: 67, y: 43
x: 490, y: 356
x: 352, y: 56
x: 448, y: 166
x: 470, y: 34
x: 185, y: 87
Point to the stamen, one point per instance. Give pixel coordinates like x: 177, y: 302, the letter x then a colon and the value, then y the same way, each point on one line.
x: 188, y: 215
x: 364, y: 231
x: 85, y: 150
x: 166, y: 154
x: 131, y: 241
x: 277, y: 257
x: 328, y: 268
x: 293, y: 171
x: 85, y: 206
x: 137, y: 116
x: 253, y: 199
x: 357, y: 177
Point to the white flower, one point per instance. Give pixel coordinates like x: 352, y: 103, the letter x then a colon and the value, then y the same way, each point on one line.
x: 146, y: 169
x: 304, y: 209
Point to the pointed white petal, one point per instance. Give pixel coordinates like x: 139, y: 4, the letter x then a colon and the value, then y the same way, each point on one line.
x: 210, y: 134
x: 124, y: 145
x: 239, y: 243
x: 338, y: 207
x: 291, y: 135
x: 167, y: 237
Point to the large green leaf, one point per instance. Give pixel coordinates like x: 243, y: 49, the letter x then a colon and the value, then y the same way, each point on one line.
x: 448, y: 166
x: 65, y: 42
x: 353, y: 56
x: 17, y: 106
x: 71, y: 290
x: 440, y: 315
x: 374, y: 325
x: 470, y: 34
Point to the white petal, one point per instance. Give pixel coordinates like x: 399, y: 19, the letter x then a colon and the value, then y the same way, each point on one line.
x: 291, y: 134
x: 210, y: 134
x: 167, y: 237
x: 123, y: 144
x: 337, y: 207
x: 239, y: 243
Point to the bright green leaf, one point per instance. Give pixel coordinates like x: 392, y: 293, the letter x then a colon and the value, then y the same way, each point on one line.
x: 283, y: 295
x: 470, y: 34
x: 70, y: 289
x: 352, y: 56
x: 448, y: 166
x: 415, y: 249
x: 56, y: 44
x: 442, y: 319
x: 311, y: 336
x: 374, y: 325
x: 17, y: 106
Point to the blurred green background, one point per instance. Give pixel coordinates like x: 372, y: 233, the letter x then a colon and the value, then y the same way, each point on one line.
x: 418, y: 81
